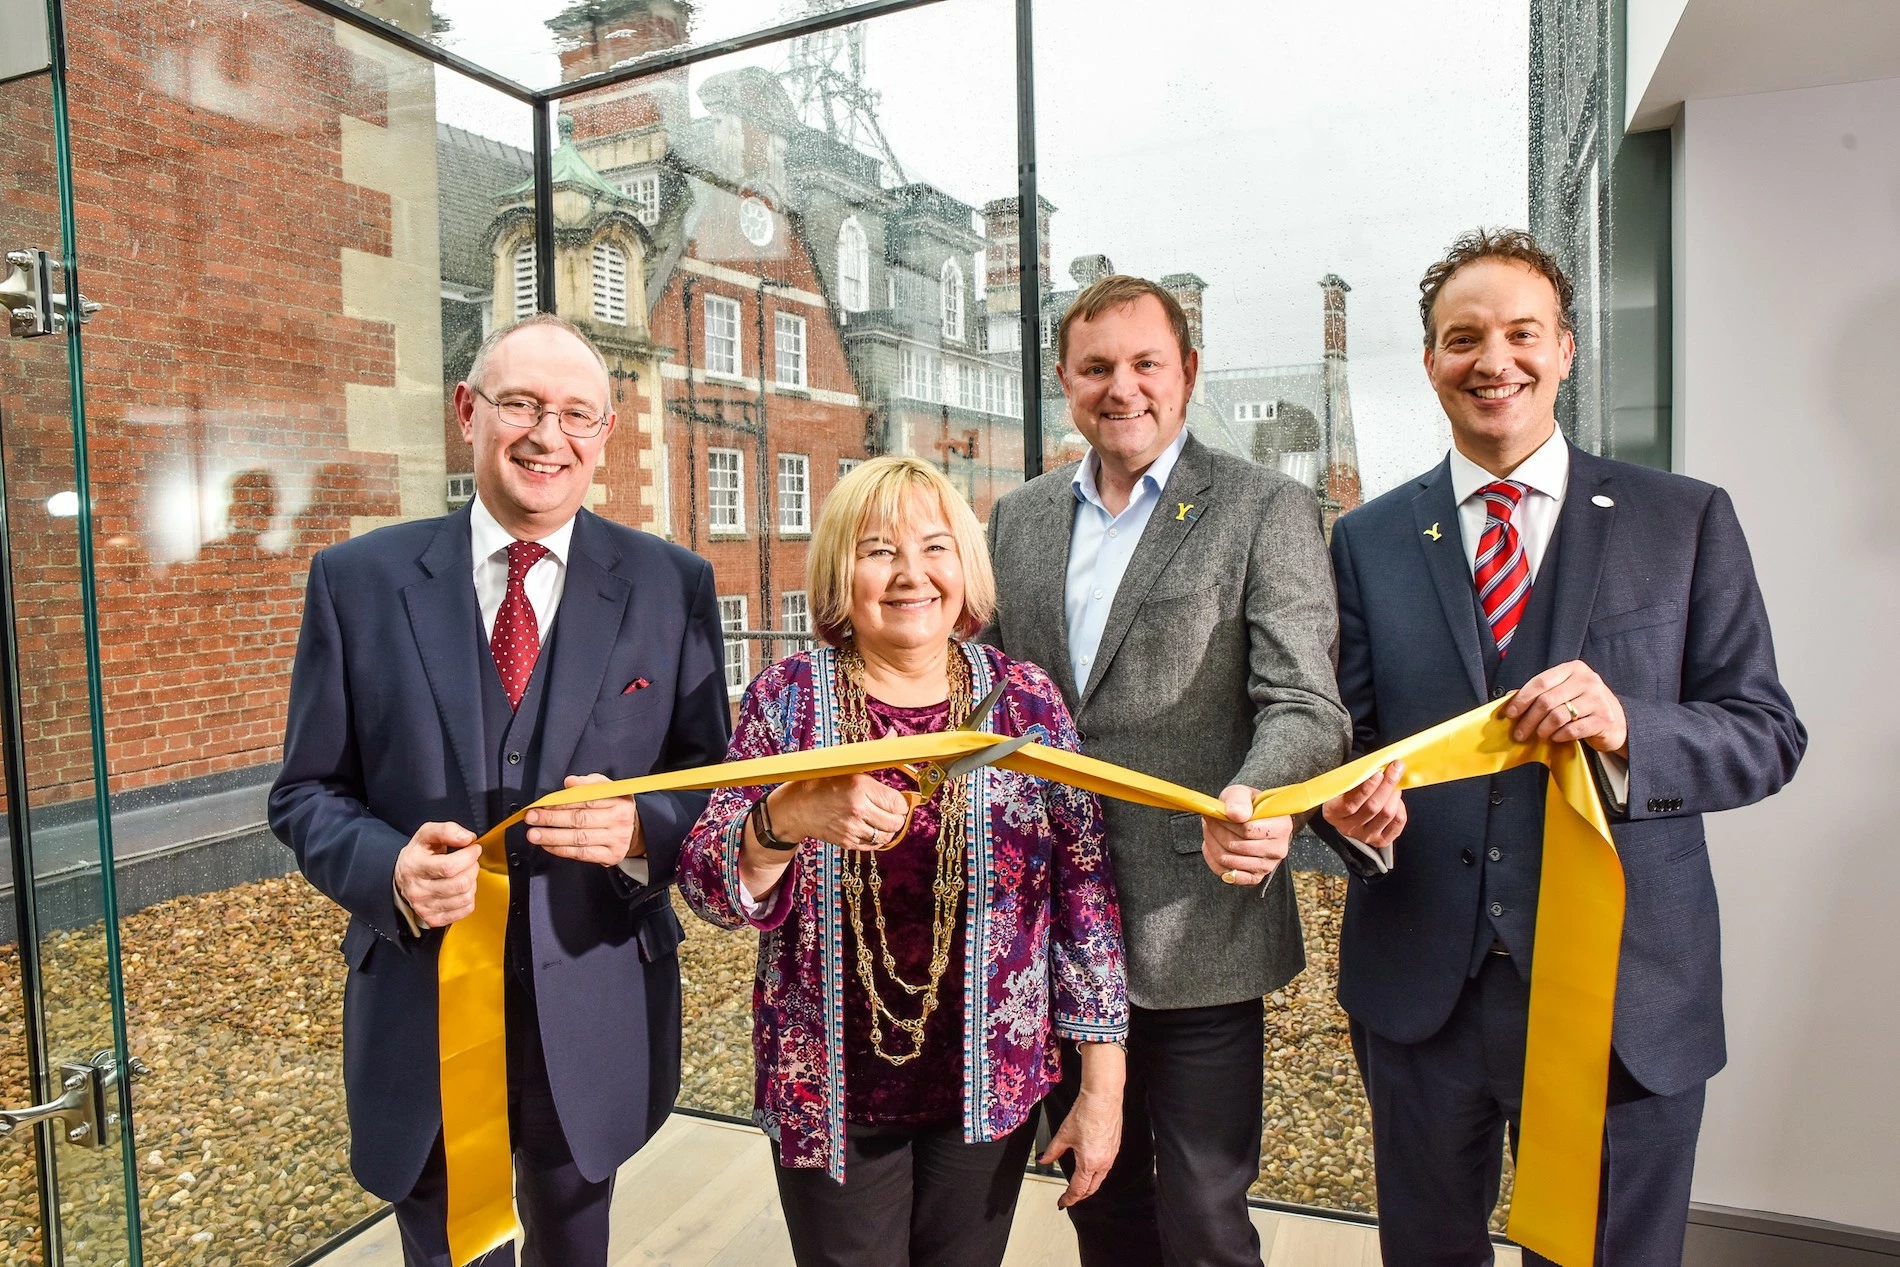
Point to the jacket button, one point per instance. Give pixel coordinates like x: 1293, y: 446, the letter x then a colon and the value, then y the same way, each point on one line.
x: 1497, y: 692
x: 1675, y: 805
x: 1494, y: 854
x: 515, y: 805
x: 1497, y: 798
x: 1468, y: 857
x: 514, y: 758
x: 1497, y: 908
x: 1655, y: 806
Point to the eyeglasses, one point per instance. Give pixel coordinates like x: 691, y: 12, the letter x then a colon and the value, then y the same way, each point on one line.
x: 525, y: 412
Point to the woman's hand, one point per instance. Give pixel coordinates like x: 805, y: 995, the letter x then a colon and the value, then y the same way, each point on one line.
x: 1093, y: 1128
x: 853, y: 810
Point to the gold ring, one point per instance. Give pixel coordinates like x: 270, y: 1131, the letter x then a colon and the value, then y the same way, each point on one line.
x: 1571, y: 705
x: 1230, y: 877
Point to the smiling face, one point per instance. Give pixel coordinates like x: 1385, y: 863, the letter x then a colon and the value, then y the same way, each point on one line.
x: 533, y: 479
x: 906, y: 582
x: 1128, y: 385
x: 1498, y: 354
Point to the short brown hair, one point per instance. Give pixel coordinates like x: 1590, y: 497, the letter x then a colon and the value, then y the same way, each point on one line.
x: 883, y: 491
x: 1118, y: 290
x: 478, y: 368
x: 1494, y: 244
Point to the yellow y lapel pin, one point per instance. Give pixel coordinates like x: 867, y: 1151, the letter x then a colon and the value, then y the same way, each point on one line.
x: 1182, y: 515
x: 1433, y: 532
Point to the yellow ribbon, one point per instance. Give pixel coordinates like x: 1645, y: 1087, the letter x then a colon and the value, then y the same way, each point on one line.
x: 1573, y: 976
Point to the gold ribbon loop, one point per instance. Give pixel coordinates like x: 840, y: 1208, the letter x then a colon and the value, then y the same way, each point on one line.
x: 1573, y: 975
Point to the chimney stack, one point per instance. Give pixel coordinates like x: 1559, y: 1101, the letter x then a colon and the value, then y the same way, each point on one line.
x: 1187, y: 290
x: 1086, y: 270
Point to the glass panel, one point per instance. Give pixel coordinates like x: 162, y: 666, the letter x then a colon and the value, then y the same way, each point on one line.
x: 271, y: 200
x: 797, y: 211
x: 1288, y: 171
x: 65, y: 945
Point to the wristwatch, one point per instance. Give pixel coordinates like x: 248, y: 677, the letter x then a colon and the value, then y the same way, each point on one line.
x: 762, y: 828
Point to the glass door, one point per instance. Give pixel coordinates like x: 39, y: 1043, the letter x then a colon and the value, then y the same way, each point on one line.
x: 66, y: 1157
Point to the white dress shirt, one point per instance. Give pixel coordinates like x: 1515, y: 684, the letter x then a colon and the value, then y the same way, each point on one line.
x: 546, y: 580
x: 1545, y: 475
x: 1100, y: 546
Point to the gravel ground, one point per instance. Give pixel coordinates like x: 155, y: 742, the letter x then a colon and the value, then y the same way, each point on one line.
x: 235, y: 999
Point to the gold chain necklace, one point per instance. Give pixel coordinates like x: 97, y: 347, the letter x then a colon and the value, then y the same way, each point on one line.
x: 861, y: 869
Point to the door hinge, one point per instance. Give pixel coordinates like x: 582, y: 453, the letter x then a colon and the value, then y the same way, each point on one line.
x: 34, y: 308
x: 86, y: 1108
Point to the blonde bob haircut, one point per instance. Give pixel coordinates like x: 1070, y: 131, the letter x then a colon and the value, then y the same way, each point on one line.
x: 884, y: 492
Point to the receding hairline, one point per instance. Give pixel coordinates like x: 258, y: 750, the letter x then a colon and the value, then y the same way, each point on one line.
x: 478, y: 367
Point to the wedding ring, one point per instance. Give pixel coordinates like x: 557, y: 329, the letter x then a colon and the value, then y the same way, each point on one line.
x: 1571, y: 705
x: 1230, y: 877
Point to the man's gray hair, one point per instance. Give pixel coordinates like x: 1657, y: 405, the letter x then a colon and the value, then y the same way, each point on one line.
x: 479, y: 366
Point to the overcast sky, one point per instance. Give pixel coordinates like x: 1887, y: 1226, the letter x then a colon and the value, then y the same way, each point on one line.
x: 1260, y: 144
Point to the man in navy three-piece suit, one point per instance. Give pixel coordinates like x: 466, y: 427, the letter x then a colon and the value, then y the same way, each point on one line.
x: 1620, y: 604
x: 450, y: 671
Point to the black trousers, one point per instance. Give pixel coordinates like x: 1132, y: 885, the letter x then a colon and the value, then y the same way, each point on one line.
x: 563, y: 1214
x: 913, y: 1196
x: 1440, y: 1110
x: 1177, y: 1193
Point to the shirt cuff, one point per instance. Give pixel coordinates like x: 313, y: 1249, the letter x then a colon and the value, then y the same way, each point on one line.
x: 637, y: 870
x: 1616, y: 778
x: 416, y: 927
x: 1380, y: 856
x: 754, y: 909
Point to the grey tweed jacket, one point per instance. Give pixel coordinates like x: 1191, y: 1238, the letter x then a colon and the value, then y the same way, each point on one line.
x: 1216, y: 667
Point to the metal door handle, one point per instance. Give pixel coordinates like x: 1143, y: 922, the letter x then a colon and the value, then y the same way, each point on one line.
x: 85, y: 1104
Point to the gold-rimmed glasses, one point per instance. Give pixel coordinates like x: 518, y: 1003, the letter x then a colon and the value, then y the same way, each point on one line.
x: 526, y: 412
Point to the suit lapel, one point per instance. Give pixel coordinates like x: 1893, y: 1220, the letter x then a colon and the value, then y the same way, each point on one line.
x: 1583, y: 527
x: 447, y: 623
x: 1053, y: 538
x: 1160, y: 539
x: 1441, y: 541
x: 593, y: 602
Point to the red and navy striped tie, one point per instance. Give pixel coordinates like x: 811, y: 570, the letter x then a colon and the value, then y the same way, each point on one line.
x: 1502, y: 572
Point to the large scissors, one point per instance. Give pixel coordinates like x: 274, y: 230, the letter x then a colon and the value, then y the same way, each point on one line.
x: 928, y: 776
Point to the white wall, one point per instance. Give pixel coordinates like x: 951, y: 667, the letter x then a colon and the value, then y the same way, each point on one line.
x: 1788, y: 394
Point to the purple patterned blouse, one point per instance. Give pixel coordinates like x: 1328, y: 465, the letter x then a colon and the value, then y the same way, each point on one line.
x: 1041, y: 941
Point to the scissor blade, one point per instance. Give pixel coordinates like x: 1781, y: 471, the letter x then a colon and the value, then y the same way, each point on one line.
x: 988, y: 756
x: 981, y: 713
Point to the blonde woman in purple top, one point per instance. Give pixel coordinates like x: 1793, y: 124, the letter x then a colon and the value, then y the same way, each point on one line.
x: 916, y: 968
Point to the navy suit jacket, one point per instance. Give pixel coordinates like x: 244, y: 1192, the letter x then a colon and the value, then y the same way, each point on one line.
x: 385, y: 733
x: 1656, y: 592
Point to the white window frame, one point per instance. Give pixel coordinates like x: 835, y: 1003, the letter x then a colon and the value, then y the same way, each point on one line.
x: 724, y: 354
x: 725, y: 490
x: 643, y: 189
x: 1256, y: 411
x: 794, y: 611
x: 848, y: 465
x: 788, y: 350
x: 854, y: 267
x: 609, y: 275
x: 732, y: 619
x: 794, y: 493
x: 526, y: 284
x: 952, y: 281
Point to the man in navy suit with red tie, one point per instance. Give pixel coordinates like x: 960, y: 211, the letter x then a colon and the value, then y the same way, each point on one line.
x: 1619, y: 603
x: 450, y: 671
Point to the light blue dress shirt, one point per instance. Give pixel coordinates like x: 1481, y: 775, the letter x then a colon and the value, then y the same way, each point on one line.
x: 1100, y: 546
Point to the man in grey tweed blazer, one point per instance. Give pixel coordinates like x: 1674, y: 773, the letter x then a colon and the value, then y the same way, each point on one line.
x: 1183, y: 601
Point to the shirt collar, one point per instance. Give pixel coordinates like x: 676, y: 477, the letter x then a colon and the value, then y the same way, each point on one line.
x: 1546, y: 471
x: 1154, y: 479
x: 488, y: 538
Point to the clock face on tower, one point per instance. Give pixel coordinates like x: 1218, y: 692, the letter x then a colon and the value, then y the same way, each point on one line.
x: 755, y: 221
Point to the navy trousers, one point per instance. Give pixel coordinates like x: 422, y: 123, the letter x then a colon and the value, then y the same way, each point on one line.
x: 563, y: 1215
x: 1177, y: 1193
x: 1440, y: 1110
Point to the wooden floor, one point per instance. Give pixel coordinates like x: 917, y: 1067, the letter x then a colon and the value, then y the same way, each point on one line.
x: 701, y: 1195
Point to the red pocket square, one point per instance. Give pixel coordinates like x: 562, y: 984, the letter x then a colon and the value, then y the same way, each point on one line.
x: 638, y: 684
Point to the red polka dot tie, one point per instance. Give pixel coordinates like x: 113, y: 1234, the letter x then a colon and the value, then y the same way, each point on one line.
x: 516, y: 642
x: 1503, y: 572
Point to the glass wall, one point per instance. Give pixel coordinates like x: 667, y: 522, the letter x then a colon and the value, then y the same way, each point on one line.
x: 267, y: 203
x: 794, y: 258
